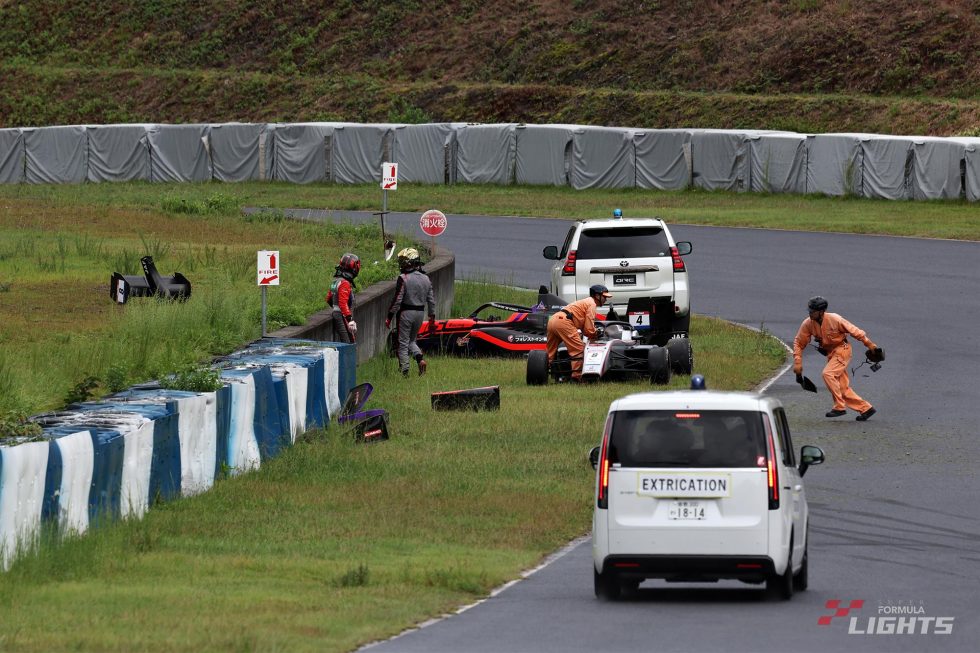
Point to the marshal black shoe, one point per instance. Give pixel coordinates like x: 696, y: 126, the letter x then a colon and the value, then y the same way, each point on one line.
x: 866, y: 415
x: 836, y: 413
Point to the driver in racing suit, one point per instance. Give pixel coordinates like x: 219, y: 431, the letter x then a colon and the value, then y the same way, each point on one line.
x: 566, y: 325
x: 340, y: 298
x: 413, y: 295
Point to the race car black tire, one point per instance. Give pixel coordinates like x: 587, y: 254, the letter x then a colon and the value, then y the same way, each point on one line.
x: 537, y: 367
x: 681, y: 356
x: 658, y: 364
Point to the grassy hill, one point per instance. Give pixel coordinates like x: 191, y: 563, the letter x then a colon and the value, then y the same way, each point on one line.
x: 804, y: 65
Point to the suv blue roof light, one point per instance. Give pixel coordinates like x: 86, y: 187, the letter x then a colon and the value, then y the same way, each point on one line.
x: 697, y: 382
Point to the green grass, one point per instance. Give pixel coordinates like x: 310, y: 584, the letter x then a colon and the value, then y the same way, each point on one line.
x: 59, y: 244
x: 933, y: 219
x: 335, y: 544
x: 62, y: 338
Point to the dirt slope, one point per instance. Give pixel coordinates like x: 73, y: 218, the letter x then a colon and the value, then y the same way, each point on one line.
x: 799, y: 64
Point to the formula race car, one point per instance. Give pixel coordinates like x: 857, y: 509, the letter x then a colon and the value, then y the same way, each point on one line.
x: 493, y: 329
x: 614, y: 354
x: 503, y: 329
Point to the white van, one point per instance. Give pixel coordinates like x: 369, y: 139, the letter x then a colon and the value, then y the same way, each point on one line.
x: 696, y: 486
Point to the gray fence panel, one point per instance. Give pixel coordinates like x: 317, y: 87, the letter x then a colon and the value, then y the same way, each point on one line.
x: 180, y: 153
x: 544, y: 154
x: 777, y: 163
x: 358, y: 152
x: 663, y: 158
x: 720, y: 159
x: 56, y: 155
x: 936, y: 169
x: 887, y: 167
x: 301, y: 152
x: 485, y: 154
x: 603, y: 157
x: 236, y: 151
x: 834, y: 164
x: 971, y: 167
x: 118, y: 153
x: 12, y: 156
x: 423, y: 152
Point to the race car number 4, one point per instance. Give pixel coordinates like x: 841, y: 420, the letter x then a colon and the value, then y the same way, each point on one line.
x: 640, y: 319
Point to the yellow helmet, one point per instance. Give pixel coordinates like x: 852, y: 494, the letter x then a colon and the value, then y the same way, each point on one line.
x: 409, y: 258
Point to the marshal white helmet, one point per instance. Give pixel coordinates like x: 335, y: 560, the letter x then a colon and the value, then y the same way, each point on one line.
x: 408, y: 258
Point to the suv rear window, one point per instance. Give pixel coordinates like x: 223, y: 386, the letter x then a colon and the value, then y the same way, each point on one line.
x: 635, y: 242
x: 687, y: 438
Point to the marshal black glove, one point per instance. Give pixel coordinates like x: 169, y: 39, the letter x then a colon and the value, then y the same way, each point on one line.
x: 875, y: 355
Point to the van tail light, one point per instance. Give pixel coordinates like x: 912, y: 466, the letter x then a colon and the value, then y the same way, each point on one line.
x: 602, y: 496
x: 678, y: 261
x: 772, y: 470
x: 569, y: 269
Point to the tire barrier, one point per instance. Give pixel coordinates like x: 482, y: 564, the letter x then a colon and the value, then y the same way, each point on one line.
x: 113, y: 458
x: 578, y: 156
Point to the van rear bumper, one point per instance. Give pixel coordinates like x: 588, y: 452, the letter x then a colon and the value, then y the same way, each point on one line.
x: 695, y: 568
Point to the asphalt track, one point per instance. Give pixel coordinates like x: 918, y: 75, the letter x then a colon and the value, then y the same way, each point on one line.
x: 894, y: 511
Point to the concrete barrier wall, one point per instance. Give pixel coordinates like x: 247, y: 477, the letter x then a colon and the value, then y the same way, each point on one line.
x: 112, y: 458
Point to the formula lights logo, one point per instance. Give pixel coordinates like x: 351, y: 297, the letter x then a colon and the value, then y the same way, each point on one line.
x: 893, y: 618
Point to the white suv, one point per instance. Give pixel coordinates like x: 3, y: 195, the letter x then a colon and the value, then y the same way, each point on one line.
x: 696, y: 486
x: 638, y: 260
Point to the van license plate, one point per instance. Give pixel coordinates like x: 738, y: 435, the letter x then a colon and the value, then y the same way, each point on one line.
x: 624, y: 279
x: 686, y: 510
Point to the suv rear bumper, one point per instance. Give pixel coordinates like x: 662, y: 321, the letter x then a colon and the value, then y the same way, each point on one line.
x: 751, y: 569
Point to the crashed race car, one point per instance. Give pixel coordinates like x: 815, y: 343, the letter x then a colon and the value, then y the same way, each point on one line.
x: 493, y: 329
x: 504, y: 329
x: 614, y: 354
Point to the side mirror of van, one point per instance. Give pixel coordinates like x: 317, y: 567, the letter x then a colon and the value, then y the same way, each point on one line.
x: 810, y: 455
x: 684, y: 248
x: 551, y: 253
x: 594, y: 457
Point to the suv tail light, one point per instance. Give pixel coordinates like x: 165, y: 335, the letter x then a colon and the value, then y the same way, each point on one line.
x: 602, y: 497
x: 678, y: 261
x: 569, y: 269
x: 772, y: 470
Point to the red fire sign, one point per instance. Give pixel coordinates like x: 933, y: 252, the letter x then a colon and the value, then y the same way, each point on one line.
x: 433, y: 222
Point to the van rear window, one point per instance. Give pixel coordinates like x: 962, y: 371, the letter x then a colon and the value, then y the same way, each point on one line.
x: 687, y: 438
x: 619, y: 243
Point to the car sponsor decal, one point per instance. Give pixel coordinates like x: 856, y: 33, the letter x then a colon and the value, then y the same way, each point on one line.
x: 521, y: 342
